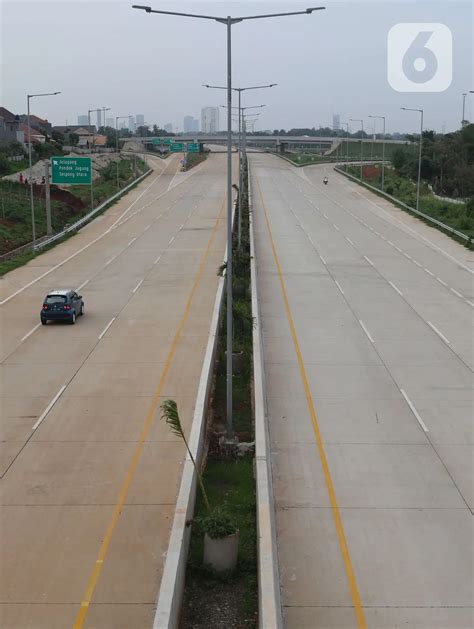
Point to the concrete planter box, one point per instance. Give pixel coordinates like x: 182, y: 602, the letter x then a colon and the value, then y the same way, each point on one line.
x: 237, y: 362
x: 221, y: 553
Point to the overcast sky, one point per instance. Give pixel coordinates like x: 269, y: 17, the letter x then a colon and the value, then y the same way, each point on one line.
x: 333, y: 61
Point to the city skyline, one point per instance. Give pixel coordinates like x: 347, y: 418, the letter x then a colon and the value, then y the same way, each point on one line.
x: 307, y: 94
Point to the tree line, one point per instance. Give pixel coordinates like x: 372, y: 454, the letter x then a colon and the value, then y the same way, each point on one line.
x: 447, y: 162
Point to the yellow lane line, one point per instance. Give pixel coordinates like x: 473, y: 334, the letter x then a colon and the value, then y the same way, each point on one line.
x: 92, y: 582
x: 356, y: 602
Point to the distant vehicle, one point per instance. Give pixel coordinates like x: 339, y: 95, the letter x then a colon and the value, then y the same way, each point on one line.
x: 62, y: 305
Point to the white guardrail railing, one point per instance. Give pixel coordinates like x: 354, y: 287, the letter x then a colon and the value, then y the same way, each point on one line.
x: 426, y: 217
x: 88, y: 217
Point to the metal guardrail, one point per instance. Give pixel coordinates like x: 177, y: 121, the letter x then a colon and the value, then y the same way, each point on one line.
x: 13, y: 253
x: 426, y: 217
x: 85, y: 219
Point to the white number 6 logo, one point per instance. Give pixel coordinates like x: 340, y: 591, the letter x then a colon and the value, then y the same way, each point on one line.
x: 420, y: 57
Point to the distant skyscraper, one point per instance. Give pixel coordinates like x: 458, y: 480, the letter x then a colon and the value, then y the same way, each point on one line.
x: 336, y: 122
x: 110, y: 122
x: 188, y: 124
x: 210, y: 119
x: 140, y: 120
x: 168, y: 127
x: 99, y: 118
x: 83, y: 120
x: 131, y: 123
x: 195, y: 127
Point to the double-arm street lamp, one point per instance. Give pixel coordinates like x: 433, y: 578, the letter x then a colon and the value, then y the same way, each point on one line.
x: 117, y: 118
x: 347, y: 143
x: 104, y: 109
x: 361, y: 145
x: 89, y: 111
x: 33, y: 226
x: 229, y: 22
x: 241, y: 117
x: 239, y: 90
x: 420, y: 111
x: 383, y: 148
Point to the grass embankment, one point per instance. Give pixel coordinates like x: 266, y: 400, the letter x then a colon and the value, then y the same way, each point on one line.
x: 370, y: 151
x: 107, y: 184
x: 193, y: 159
x: 230, y: 601
x: 12, y: 167
x: 67, y: 207
x: 303, y: 159
x: 340, y: 153
x: 457, y: 216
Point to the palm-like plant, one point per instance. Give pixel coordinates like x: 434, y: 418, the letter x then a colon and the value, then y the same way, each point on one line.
x: 170, y: 414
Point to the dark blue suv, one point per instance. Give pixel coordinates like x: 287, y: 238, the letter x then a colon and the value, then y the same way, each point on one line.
x: 62, y: 305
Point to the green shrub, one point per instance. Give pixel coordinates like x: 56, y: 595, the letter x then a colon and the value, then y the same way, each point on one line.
x: 217, y: 525
x: 4, y: 165
x: 470, y: 207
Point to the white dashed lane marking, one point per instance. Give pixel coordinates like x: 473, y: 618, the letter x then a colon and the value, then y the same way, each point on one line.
x: 440, y: 334
x: 366, y: 332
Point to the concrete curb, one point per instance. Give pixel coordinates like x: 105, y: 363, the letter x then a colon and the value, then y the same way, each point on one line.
x: 174, y: 571
x: 269, y: 604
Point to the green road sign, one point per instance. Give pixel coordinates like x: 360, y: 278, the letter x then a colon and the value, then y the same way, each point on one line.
x: 177, y: 147
x: 193, y: 147
x: 162, y: 141
x: 71, y: 170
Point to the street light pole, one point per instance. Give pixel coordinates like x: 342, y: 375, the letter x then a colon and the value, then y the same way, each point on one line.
x: 347, y: 144
x: 32, y: 202
x: 89, y: 111
x: 241, y: 174
x: 361, y: 146
x: 420, y: 111
x: 104, y: 109
x: 383, y: 149
x: 240, y: 90
x: 228, y: 22
x: 464, y: 121
x: 117, y: 118
x: 97, y: 111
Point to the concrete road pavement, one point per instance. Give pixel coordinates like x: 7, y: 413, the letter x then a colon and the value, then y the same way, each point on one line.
x: 89, y: 473
x: 368, y: 353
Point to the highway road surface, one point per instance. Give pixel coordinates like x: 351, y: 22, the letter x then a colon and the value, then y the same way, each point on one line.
x: 89, y: 472
x: 368, y: 356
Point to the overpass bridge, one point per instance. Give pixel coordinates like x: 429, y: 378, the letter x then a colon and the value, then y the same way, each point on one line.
x: 278, y: 143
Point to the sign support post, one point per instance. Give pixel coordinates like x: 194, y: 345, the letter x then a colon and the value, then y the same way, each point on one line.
x: 47, y: 196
